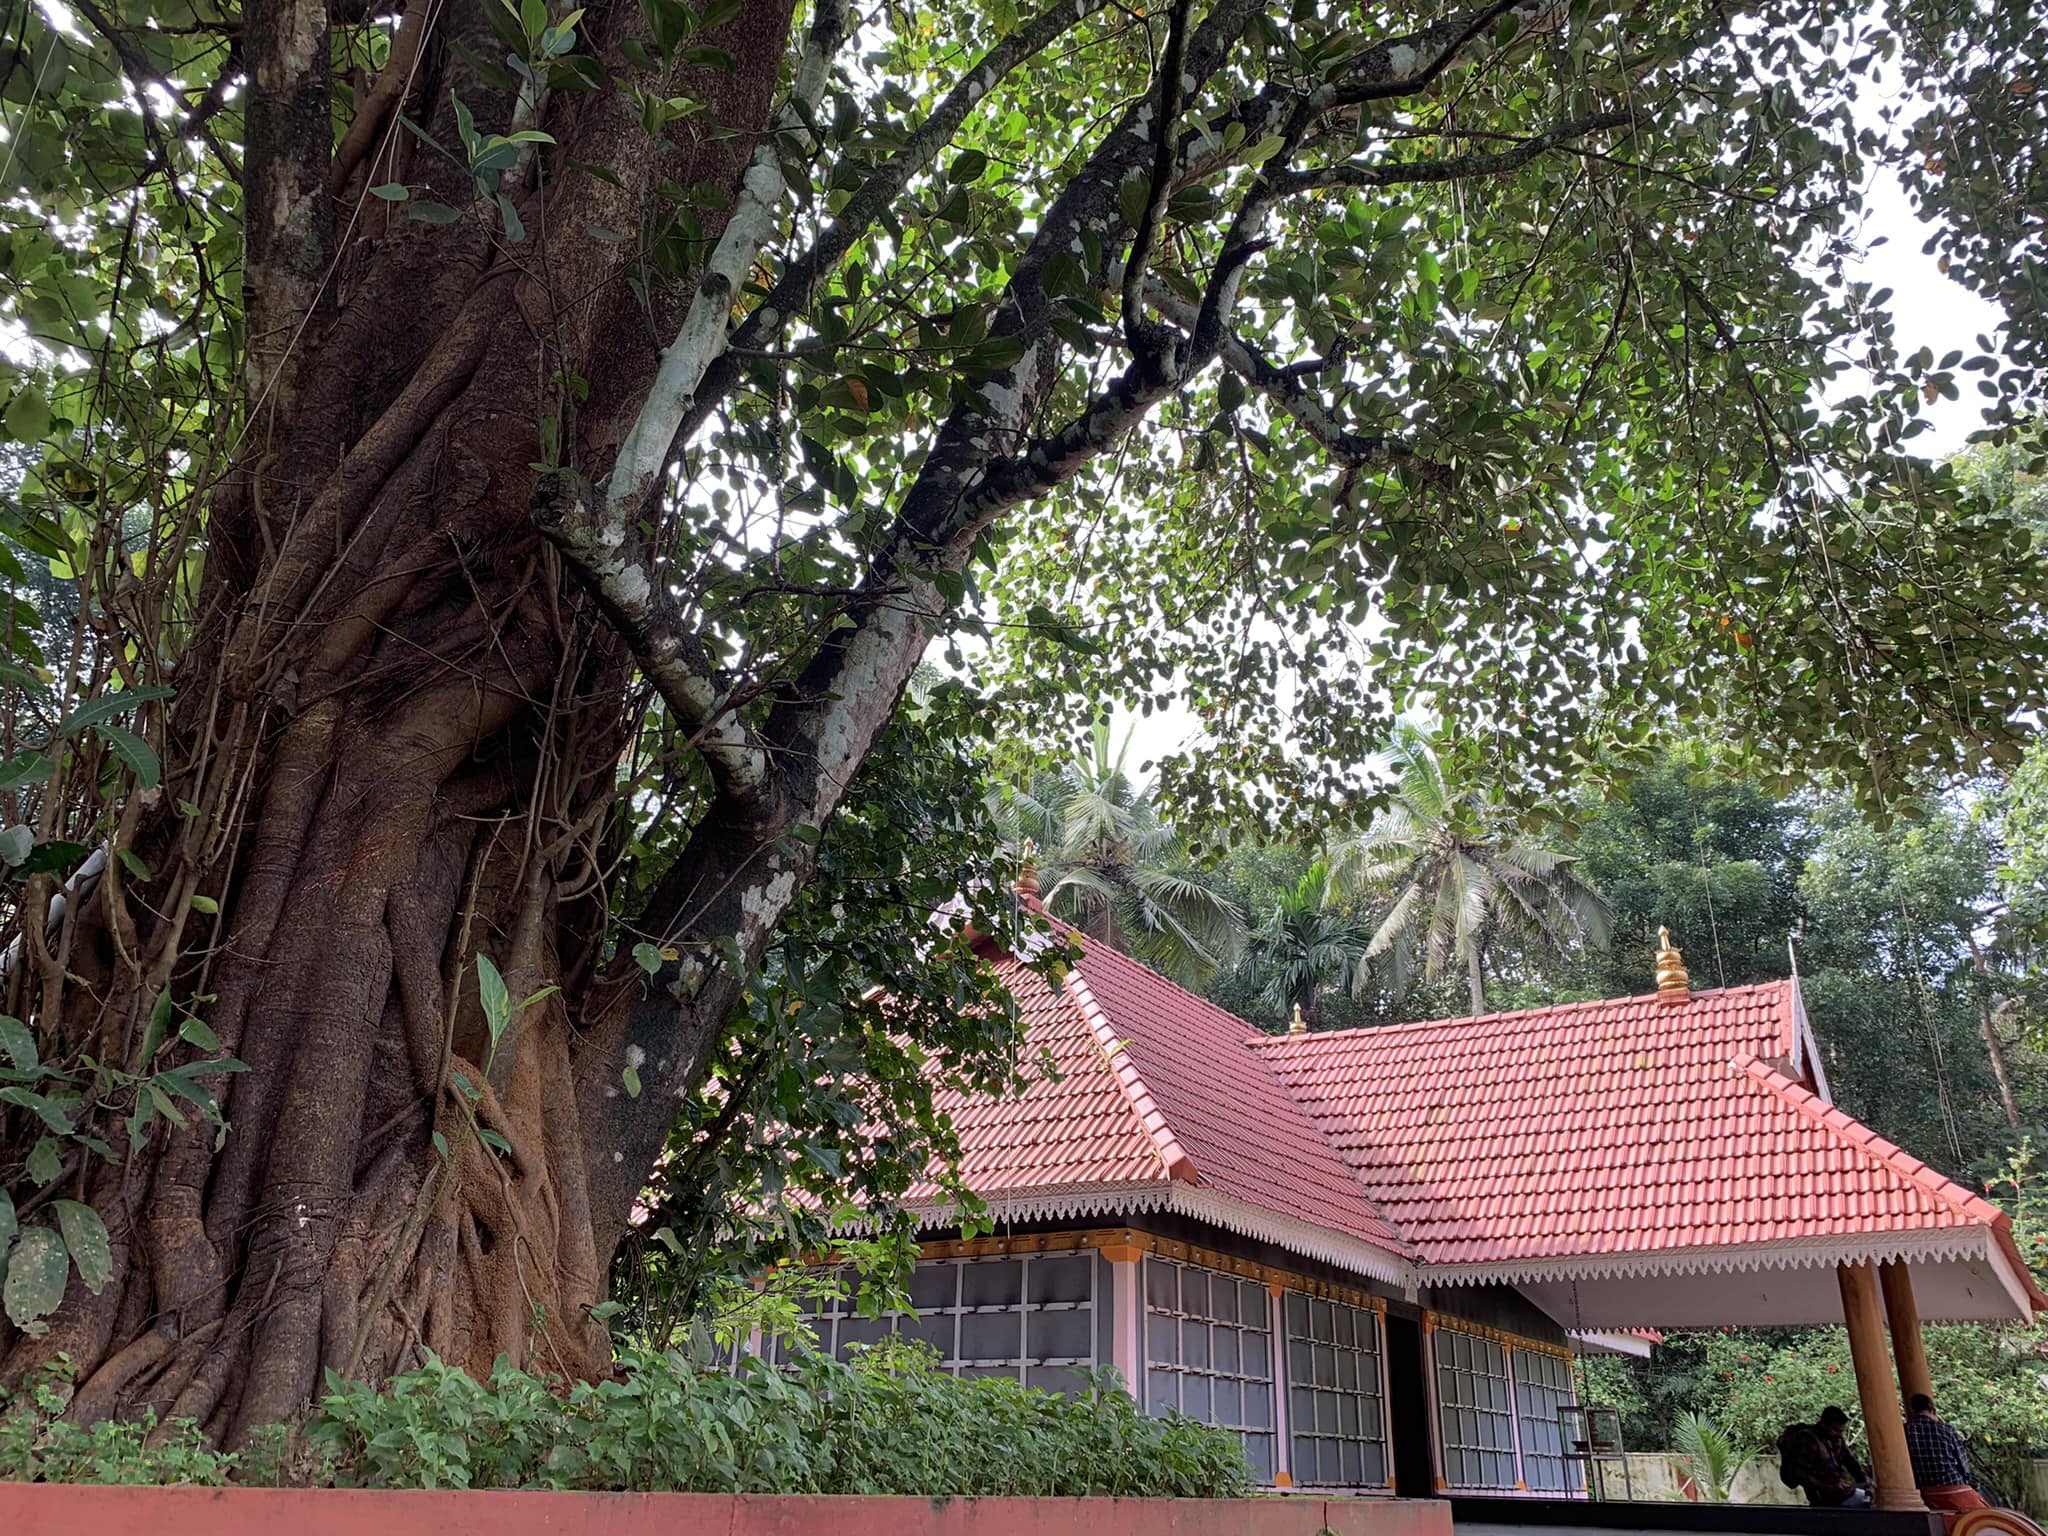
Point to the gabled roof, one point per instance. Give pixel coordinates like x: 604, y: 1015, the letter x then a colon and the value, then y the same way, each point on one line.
x: 1626, y: 1137
x: 1609, y: 1128
x: 1154, y: 1104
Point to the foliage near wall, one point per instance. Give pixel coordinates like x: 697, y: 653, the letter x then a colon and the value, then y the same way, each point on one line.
x: 885, y: 1424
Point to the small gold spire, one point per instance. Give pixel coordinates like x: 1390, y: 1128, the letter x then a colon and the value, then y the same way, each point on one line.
x: 1673, y: 984
x: 1300, y: 1025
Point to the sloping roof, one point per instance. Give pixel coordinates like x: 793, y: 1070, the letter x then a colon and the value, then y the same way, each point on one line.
x: 1152, y: 1094
x: 1243, y: 1133
x: 1614, y: 1127
x: 1632, y: 1133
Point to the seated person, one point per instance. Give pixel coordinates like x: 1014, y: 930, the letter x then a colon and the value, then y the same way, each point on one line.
x: 1941, y: 1466
x: 1812, y: 1459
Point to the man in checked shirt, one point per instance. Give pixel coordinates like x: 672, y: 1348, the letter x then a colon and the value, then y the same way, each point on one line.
x: 1940, y: 1464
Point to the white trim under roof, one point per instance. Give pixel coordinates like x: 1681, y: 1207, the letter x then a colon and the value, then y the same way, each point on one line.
x: 1067, y: 1202
x: 1599, y: 1341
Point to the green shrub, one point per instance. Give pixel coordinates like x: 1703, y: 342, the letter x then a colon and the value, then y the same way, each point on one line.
x: 887, y: 1423
x: 38, y: 1446
x: 890, y: 1422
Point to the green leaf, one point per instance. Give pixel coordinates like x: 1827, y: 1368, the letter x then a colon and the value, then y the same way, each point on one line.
x: 19, y: 1042
x: 205, y: 904
x: 49, y: 1113
x: 29, y: 768
x: 132, y: 864
x: 441, y: 1145
x: 8, y: 1223
x: 86, y: 1236
x: 494, y: 1140
x: 28, y: 415
x: 647, y: 957
x: 515, y: 231
x: 36, y: 1272
x: 392, y: 191
x: 495, y: 999
x: 1131, y: 197
x: 969, y: 167
x: 45, y: 1163
x: 107, y: 707
x: 198, y: 1034
x: 428, y: 212
x: 15, y: 843
x: 605, y: 1309
x: 631, y: 1078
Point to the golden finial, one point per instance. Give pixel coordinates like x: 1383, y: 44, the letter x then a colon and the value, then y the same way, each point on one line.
x: 1673, y: 984
x: 1300, y: 1025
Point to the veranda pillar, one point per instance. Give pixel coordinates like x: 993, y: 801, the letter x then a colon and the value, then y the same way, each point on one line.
x: 1883, y: 1423
x: 1904, y: 1315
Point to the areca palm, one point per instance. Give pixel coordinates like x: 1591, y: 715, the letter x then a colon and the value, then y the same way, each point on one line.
x: 1456, y: 876
x: 1114, y: 869
x: 1303, y: 947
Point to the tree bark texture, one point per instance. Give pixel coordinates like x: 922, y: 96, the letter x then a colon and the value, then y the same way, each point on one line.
x: 398, y: 729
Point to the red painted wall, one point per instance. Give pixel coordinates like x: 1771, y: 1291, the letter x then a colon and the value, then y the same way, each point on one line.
x: 42, y: 1509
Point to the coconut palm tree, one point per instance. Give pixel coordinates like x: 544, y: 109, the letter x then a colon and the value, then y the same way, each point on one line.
x: 1302, y: 948
x: 1456, y: 876
x: 1110, y: 866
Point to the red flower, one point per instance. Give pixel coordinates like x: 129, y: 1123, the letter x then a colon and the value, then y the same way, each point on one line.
x: 1770, y: 1378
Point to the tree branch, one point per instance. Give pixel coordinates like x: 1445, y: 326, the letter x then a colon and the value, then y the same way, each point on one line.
x: 792, y: 292
x: 1145, y: 341
x: 1460, y: 168
x: 639, y: 607
x: 643, y: 455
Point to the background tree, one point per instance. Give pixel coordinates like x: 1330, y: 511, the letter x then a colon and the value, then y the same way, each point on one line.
x: 1110, y: 866
x: 511, y: 459
x: 1301, y: 949
x: 1450, y: 874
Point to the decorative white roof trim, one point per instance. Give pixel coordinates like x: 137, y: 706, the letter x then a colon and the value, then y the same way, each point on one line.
x: 1069, y: 1201
x: 1949, y: 1244
x: 1605, y: 1341
x: 1291, y: 1233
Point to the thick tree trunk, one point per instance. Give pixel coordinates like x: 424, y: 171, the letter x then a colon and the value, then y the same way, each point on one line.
x: 1475, y: 979
x: 395, y: 742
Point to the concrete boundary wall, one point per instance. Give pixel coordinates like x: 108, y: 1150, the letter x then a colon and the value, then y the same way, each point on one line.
x: 41, y: 1509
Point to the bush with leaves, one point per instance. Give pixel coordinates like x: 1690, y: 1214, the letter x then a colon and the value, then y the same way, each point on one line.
x: 890, y: 1422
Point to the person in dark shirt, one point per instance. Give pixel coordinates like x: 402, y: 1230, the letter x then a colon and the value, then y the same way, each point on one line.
x: 1811, y: 1458
x: 1941, y: 1465
x: 1833, y: 1426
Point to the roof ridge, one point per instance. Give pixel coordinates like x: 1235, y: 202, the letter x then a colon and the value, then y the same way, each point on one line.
x: 1151, y: 1119
x: 1467, y: 1021
x: 1854, y: 1133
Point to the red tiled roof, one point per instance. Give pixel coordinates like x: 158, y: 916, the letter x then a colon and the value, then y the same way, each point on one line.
x: 1591, y: 1130
x: 1242, y: 1131
x: 1073, y: 1129
x: 1615, y: 1127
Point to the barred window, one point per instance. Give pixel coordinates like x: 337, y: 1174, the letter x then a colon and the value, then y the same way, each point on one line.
x: 1475, y: 1410
x: 1209, y: 1353
x: 1335, y: 1417
x: 1543, y: 1383
x: 1032, y: 1319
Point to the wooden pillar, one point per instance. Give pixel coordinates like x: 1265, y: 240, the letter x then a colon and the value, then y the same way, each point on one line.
x: 1883, y: 1424
x: 1904, y: 1316
x: 1127, y: 1316
x: 1283, y: 1431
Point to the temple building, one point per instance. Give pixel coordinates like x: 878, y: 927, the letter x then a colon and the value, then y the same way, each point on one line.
x: 1373, y: 1254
